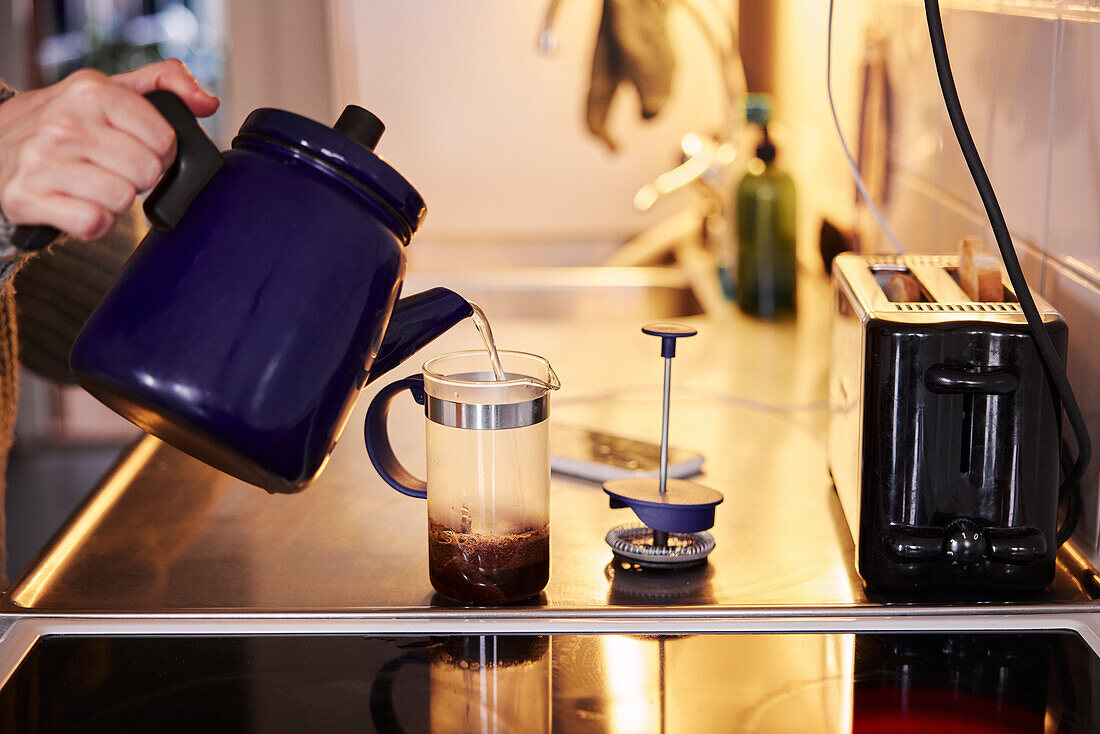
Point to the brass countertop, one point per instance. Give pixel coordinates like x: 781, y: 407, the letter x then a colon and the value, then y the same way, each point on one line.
x: 165, y: 533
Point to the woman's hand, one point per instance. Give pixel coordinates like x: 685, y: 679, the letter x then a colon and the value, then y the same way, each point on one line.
x: 75, y: 154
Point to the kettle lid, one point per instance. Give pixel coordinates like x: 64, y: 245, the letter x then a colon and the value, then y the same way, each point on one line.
x: 347, y: 147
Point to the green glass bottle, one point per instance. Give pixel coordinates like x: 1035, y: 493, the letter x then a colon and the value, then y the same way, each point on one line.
x: 766, y: 236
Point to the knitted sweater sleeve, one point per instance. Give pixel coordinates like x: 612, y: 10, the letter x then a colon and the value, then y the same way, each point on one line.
x: 57, y: 289
x: 10, y: 256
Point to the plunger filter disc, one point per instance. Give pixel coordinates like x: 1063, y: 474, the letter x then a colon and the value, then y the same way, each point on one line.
x: 635, y: 544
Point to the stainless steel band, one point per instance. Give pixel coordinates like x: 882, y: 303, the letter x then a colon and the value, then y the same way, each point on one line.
x: 487, y: 417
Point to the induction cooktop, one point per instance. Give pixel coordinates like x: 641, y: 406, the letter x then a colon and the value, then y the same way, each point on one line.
x: 974, y: 682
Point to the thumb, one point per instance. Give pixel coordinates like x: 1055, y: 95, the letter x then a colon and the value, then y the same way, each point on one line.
x: 171, y: 76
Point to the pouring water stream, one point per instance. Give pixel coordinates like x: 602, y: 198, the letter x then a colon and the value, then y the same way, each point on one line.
x: 482, y: 324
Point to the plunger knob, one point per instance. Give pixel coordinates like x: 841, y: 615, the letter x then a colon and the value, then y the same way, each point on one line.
x: 669, y: 333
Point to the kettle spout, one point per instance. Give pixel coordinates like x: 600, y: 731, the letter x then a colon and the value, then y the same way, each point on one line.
x: 417, y: 320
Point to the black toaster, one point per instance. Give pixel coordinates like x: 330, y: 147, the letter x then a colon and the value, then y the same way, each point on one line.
x: 944, y: 431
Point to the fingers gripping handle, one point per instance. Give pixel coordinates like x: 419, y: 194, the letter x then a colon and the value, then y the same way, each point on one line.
x: 378, y: 438
x: 197, y: 160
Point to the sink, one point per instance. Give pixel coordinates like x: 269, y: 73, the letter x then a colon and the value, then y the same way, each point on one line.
x: 630, y: 293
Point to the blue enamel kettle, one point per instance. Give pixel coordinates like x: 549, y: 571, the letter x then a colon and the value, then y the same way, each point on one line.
x: 266, y: 295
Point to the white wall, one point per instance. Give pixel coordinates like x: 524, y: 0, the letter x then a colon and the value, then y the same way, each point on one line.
x: 491, y: 131
x: 277, y: 55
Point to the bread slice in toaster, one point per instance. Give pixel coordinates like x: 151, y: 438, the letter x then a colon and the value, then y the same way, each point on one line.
x: 903, y: 288
x: 979, y: 271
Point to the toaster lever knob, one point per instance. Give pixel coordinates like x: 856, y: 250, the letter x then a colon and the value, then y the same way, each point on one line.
x: 910, y: 544
x: 1016, y: 545
x: 964, y: 543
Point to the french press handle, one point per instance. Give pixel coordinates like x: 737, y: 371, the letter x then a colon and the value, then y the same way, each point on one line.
x: 377, y: 438
x: 197, y: 160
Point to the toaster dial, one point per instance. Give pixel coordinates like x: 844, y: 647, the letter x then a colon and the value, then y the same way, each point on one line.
x: 964, y: 543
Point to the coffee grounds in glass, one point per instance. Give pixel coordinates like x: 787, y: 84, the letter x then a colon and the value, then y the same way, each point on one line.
x: 488, y: 569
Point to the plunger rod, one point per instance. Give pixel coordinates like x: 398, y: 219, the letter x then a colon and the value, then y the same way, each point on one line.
x: 669, y: 333
x: 660, y: 539
x: 664, y: 425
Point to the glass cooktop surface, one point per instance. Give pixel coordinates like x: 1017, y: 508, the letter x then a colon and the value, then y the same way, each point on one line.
x: 776, y: 683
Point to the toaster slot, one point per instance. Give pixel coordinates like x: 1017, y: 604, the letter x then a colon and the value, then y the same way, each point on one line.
x: 1007, y: 295
x: 942, y: 288
x: 887, y: 277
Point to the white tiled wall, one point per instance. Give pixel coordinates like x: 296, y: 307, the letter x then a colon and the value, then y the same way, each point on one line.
x: 1028, y: 73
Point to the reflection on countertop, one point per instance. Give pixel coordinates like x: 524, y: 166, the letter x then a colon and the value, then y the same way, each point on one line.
x: 46, y: 482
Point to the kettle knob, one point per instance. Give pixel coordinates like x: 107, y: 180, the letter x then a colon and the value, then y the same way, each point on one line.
x: 360, y: 125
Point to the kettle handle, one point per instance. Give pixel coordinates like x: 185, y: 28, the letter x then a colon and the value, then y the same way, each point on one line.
x: 197, y: 160
x: 377, y: 436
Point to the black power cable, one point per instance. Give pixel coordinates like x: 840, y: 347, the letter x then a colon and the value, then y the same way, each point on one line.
x: 1071, y: 487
